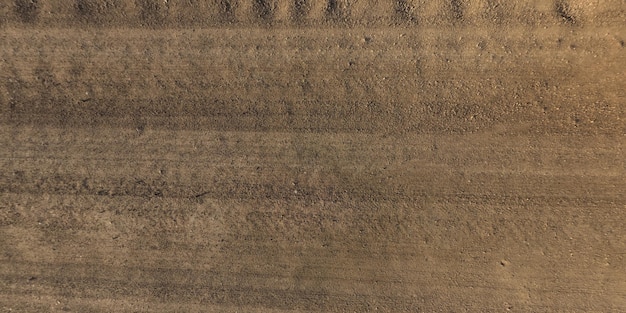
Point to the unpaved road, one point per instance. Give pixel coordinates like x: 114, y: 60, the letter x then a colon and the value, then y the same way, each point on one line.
x: 340, y: 156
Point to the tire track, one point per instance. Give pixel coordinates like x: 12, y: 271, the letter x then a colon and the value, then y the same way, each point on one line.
x: 342, y: 93
x: 153, y: 13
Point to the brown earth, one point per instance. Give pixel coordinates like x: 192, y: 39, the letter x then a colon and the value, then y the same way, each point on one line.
x: 307, y: 155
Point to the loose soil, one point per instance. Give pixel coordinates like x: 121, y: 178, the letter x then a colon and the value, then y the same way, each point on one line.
x: 307, y: 155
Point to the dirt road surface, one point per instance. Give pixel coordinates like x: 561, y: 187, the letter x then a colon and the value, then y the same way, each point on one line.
x: 312, y: 156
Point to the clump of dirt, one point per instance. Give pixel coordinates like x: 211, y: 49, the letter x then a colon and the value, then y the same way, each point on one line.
x: 100, y: 12
x: 152, y: 13
x: 565, y: 12
x: 27, y: 10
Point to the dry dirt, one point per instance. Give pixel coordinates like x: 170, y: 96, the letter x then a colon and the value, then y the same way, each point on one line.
x: 312, y: 156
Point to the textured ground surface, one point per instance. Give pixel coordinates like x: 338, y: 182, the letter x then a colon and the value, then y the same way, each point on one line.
x: 294, y: 156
